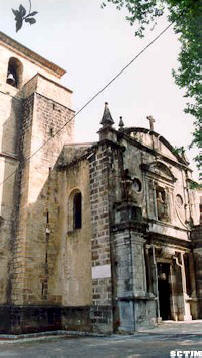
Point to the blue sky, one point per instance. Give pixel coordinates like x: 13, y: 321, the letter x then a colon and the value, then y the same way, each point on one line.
x: 93, y: 45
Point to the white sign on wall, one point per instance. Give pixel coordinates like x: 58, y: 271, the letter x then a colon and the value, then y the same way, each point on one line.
x: 103, y: 271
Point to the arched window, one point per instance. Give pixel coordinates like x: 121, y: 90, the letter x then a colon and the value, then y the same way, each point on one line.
x: 74, y: 210
x: 14, y: 73
x: 77, y: 210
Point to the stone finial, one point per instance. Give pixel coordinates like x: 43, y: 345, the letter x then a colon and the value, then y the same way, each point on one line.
x: 151, y: 122
x: 107, y: 119
x: 121, y: 124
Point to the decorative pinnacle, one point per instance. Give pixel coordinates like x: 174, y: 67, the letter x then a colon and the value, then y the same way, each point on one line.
x: 151, y: 122
x: 107, y: 118
x: 121, y: 124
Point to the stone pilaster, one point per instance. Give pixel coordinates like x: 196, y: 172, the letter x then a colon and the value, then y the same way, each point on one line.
x: 134, y: 305
x: 197, y: 254
x: 101, y: 313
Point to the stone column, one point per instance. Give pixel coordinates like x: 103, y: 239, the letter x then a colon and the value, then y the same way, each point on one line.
x: 187, y: 312
x: 155, y: 277
x: 123, y: 279
x: 194, y: 301
x: 148, y: 269
x: 174, y: 313
x: 197, y: 254
x: 138, y: 264
x: 135, y: 306
x: 128, y: 247
x: 183, y: 304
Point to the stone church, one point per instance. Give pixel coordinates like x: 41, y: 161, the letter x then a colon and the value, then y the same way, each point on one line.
x: 94, y: 237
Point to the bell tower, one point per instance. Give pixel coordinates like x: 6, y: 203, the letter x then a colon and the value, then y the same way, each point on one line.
x: 33, y: 108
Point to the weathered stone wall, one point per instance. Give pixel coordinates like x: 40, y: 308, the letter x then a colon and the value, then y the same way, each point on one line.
x: 179, y: 215
x: 16, y: 143
x: 92, y: 278
x: 7, y: 219
x: 49, y: 89
x: 10, y: 114
x: 100, y: 219
x: 155, y: 167
x: 75, y: 267
x: 99, y: 185
x: 40, y: 115
x: 137, y: 173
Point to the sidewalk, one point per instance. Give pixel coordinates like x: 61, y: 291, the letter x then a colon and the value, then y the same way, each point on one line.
x: 160, y: 342
x: 166, y: 328
x: 173, y: 327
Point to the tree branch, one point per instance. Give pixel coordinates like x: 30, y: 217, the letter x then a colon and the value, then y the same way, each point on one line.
x: 30, y: 6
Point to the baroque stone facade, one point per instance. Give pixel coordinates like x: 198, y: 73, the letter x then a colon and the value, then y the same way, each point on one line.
x: 96, y: 237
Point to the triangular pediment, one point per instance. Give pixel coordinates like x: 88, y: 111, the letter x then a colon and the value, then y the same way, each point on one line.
x: 159, y: 169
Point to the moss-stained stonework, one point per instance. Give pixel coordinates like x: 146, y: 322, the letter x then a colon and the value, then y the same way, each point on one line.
x: 92, y: 235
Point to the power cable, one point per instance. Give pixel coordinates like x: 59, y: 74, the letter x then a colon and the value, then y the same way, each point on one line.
x: 91, y: 100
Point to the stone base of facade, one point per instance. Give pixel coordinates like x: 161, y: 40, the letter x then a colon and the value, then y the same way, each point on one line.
x: 136, y: 314
x: 102, y: 319
x: 32, y: 319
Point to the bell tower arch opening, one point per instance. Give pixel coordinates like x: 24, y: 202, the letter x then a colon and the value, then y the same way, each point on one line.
x: 14, y: 72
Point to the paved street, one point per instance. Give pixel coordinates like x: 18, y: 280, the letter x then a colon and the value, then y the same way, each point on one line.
x: 156, y: 343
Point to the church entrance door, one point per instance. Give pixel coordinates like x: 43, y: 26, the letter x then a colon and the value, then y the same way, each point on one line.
x: 164, y: 288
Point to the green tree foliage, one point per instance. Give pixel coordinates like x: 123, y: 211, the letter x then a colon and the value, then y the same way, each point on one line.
x: 186, y: 16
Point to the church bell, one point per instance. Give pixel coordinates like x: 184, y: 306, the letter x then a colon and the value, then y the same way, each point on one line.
x: 10, y: 79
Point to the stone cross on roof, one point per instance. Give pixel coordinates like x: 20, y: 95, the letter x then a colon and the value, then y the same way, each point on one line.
x: 151, y: 122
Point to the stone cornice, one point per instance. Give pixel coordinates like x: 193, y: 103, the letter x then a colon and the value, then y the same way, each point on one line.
x: 160, y: 137
x: 168, y: 225
x: 49, y: 80
x: 137, y: 144
x: 131, y: 225
x: 160, y: 239
x: 21, y: 50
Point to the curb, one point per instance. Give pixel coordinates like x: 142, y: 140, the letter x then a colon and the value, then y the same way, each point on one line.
x: 29, y: 337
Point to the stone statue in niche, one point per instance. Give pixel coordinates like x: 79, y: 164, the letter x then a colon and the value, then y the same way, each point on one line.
x: 127, y: 186
x: 162, y: 205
